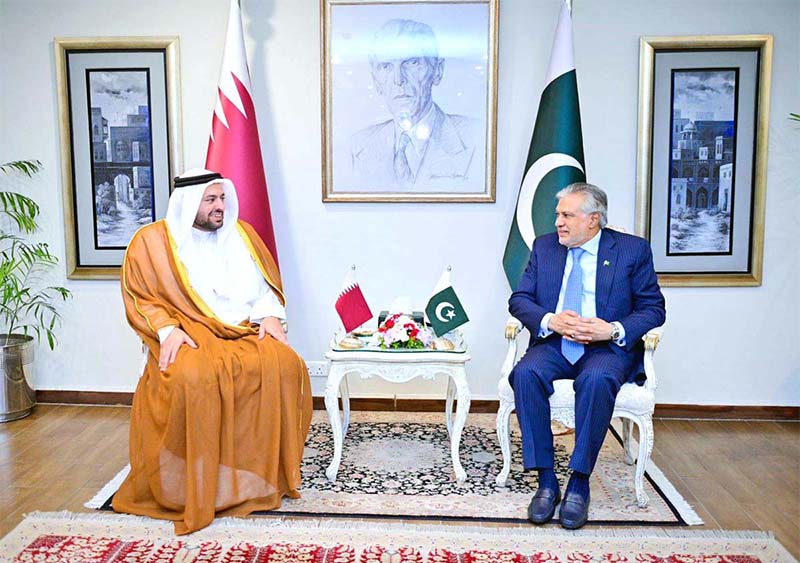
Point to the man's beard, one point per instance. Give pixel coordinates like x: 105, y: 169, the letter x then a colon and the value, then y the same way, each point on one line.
x: 207, y: 224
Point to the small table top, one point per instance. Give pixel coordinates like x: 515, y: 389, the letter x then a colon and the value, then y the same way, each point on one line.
x: 398, y: 356
x: 371, y: 352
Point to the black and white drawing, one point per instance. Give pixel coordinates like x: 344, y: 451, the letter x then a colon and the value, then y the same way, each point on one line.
x: 409, y: 96
x: 703, y: 153
x: 420, y: 145
x: 122, y: 162
x: 120, y: 121
x: 702, y: 156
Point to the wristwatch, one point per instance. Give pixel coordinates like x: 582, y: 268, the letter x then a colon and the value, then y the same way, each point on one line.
x: 615, y: 331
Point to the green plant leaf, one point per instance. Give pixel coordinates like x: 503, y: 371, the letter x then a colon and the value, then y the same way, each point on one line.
x: 27, y: 167
x: 21, y: 209
x: 24, y: 305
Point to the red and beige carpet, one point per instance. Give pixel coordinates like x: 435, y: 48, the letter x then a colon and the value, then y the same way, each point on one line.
x: 110, y: 538
x: 397, y: 464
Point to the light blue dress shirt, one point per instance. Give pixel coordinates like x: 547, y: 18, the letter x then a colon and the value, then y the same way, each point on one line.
x: 588, y: 303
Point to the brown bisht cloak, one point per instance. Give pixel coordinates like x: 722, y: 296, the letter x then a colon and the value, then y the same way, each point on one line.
x: 221, y: 431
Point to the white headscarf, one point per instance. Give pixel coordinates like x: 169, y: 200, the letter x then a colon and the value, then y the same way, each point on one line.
x: 185, y: 201
x: 211, y: 256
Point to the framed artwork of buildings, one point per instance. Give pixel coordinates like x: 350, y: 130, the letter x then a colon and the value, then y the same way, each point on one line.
x: 409, y: 98
x: 119, y: 115
x: 702, y: 159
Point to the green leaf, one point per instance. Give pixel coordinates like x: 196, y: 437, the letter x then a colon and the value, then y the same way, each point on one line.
x: 21, y: 209
x: 27, y: 167
x: 25, y: 306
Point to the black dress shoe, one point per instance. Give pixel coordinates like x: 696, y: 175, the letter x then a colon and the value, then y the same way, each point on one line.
x: 543, y: 505
x: 574, y: 511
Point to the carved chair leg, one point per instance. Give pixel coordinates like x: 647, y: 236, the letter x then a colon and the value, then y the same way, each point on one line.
x: 504, y: 437
x: 646, y: 439
x: 627, y: 439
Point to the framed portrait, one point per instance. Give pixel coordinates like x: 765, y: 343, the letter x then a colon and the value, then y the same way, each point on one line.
x: 702, y: 156
x: 119, y: 114
x: 409, y: 100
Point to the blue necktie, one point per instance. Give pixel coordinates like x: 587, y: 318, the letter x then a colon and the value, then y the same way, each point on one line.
x: 573, y: 297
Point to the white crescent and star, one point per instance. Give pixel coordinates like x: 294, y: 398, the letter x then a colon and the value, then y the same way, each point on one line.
x: 440, y: 311
x: 533, y: 177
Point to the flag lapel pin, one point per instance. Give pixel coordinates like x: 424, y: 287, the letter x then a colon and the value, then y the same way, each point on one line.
x: 606, y: 263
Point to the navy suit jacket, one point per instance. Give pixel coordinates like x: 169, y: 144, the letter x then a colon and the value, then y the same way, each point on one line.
x: 626, y: 290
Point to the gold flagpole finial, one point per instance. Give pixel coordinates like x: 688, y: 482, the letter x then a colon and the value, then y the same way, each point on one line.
x: 353, y: 267
x: 449, y: 268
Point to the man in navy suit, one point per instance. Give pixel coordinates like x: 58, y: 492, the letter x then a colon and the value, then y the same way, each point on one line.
x: 588, y: 296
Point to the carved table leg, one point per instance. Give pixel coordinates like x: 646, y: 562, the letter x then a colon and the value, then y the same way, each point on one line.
x: 459, y: 378
x: 335, y: 375
x: 448, y: 406
x: 344, y: 389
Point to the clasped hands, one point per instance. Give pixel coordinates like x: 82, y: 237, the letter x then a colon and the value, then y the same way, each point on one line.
x: 583, y: 330
x: 177, y: 338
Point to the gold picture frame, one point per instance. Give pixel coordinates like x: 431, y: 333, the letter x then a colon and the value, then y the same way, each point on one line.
x: 451, y: 100
x: 121, y: 143
x: 701, y: 175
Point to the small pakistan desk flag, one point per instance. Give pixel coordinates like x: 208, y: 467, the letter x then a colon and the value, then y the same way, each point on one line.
x: 444, y: 310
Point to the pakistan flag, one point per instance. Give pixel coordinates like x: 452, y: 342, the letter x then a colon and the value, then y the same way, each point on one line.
x: 444, y: 310
x: 555, y: 157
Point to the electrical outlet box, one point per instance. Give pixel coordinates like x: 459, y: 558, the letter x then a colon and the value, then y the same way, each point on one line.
x: 317, y: 369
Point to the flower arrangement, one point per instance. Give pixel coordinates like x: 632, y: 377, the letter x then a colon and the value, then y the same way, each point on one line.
x: 401, y: 331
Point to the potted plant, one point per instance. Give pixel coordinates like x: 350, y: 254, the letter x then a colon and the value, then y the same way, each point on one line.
x: 26, y: 308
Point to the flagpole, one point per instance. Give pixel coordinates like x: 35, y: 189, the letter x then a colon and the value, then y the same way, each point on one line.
x: 353, y: 276
x: 569, y: 5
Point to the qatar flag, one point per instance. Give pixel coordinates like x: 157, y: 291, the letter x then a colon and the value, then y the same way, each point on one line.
x: 351, y: 304
x: 234, y: 149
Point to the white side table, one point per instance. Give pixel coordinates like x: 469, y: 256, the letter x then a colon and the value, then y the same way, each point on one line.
x: 397, y: 367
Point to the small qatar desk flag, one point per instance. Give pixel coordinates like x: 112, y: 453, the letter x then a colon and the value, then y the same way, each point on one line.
x: 351, y: 305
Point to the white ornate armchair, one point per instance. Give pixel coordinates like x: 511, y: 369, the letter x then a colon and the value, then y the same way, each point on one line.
x: 634, y: 403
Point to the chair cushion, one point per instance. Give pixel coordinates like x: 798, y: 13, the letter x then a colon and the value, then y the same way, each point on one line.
x: 631, y: 397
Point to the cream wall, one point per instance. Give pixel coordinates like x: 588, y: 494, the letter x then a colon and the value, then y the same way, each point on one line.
x: 722, y: 346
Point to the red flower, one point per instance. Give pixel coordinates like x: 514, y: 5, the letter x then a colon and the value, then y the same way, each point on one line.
x: 414, y: 332
x: 389, y: 323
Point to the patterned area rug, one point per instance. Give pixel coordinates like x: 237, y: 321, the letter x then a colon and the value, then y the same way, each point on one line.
x: 397, y: 464
x: 70, y: 538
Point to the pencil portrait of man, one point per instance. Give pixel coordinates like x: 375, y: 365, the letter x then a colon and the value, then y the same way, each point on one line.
x: 412, y: 104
